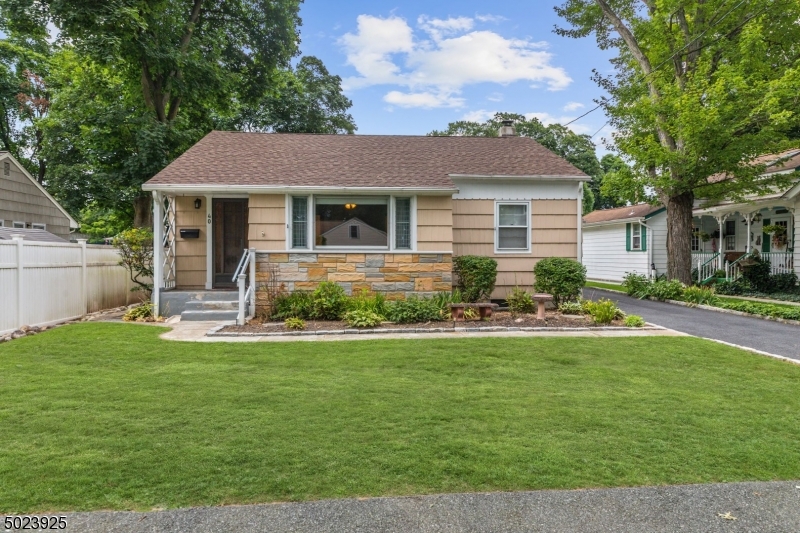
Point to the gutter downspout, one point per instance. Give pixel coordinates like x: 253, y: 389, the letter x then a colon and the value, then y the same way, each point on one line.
x: 650, y: 265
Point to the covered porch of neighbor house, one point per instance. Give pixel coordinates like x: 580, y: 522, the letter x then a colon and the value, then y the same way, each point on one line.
x: 727, y: 234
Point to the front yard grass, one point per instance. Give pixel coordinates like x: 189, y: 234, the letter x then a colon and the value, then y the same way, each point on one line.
x: 108, y: 416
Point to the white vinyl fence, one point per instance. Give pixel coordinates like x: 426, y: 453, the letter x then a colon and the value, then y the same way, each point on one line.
x: 43, y: 283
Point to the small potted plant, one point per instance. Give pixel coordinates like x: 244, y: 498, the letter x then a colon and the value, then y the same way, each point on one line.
x: 778, y: 234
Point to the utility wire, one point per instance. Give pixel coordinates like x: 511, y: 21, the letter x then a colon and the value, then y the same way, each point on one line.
x: 670, y: 58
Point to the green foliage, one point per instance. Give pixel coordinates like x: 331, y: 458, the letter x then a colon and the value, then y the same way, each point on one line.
x: 136, y: 255
x: 520, y: 301
x: 476, y: 276
x: 361, y: 318
x: 786, y: 282
x: 763, y: 309
x: 367, y: 301
x: 298, y: 304
x: 414, y: 310
x: 636, y: 285
x: 561, y: 277
x: 663, y: 289
x: 294, y: 323
x: 572, y: 308
x: 329, y: 301
x: 442, y: 300
x: 603, y: 311
x: 758, y: 275
x: 700, y: 295
x: 99, y: 224
x: 634, y: 321
x: 140, y: 313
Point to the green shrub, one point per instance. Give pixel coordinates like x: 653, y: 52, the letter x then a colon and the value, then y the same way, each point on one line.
x: 764, y: 309
x: 298, y: 304
x: 442, y: 301
x: 140, y: 313
x: 561, y: 277
x: 136, y: 255
x: 666, y: 290
x: 329, y: 301
x: 758, y: 274
x: 783, y: 282
x: 636, y: 285
x: 634, y: 321
x: 414, y: 310
x: 476, y: 276
x: 367, y: 301
x: 520, y: 301
x: 294, y: 323
x: 572, y: 308
x: 361, y: 318
x: 604, y: 311
x: 700, y: 296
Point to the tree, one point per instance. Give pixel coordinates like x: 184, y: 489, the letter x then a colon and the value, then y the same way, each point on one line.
x: 691, y: 96
x: 175, y: 59
x: 577, y: 149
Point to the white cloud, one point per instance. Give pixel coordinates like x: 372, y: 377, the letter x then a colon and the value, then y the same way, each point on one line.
x: 384, y: 51
x: 426, y: 100
x: 573, y: 106
x: 480, y: 115
x: 495, y: 97
x: 490, y: 18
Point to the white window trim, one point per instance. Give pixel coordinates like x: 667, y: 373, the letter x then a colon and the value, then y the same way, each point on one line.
x: 497, y: 205
x: 15, y: 222
x: 37, y: 225
x: 633, y: 247
x: 311, y: 247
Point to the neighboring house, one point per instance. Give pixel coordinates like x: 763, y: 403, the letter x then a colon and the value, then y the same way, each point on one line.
x: 381, y: 213
x: 725, y: 233
x: 625, y: 239
x: 31, y: 235
x: 24, y: 203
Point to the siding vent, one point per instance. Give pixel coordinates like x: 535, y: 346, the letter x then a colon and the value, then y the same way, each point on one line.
x: 6, y: 168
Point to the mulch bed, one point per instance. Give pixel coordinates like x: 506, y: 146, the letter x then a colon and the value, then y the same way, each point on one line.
x: 499, y: 319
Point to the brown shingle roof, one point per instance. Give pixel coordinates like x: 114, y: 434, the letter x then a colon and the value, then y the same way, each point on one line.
x: 780, y: 162
x: 621, y: 213
x: 303, y: 160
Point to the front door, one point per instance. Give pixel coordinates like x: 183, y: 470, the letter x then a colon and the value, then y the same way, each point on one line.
x: 230, y: 239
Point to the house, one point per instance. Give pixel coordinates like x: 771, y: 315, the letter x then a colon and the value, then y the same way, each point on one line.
x: 725, y: 232
x: 24, y: 203
x: 381, y: 213
x: 625, y: 239
x: 31, y: 235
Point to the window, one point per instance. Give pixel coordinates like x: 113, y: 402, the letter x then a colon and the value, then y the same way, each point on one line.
x: 335, y: 218
x: 299, y: 222
x: 39, y: 226
x: 513, y: 227
x: 636, y: 236
x: 16, y: 224
x: 695, y: 239
x: 730, y: 235
x: 402, y: 223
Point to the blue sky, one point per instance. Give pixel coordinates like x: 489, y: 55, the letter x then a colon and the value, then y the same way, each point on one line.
x: 413, y: 66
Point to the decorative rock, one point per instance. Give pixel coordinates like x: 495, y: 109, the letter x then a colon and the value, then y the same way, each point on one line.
x: 25, y: 329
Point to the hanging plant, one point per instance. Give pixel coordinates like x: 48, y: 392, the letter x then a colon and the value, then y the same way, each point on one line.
x: 705, y: 237
x: 774, y: 229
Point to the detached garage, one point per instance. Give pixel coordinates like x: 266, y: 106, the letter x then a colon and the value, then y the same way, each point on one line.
x: 625, y: 239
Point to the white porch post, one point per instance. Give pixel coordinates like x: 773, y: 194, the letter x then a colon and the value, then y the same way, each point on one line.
x: 721, y: 257
x: 209, y: 244
x: 252, y: 310
x: 158, y: 250
x: 749, y: 218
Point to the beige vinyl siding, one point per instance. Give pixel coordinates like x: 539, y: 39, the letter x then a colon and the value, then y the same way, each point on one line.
x: 554, y: 233
x: 22, y: 201
x: 190, y: 254
x: 267, y: 221
x: 434, y: 223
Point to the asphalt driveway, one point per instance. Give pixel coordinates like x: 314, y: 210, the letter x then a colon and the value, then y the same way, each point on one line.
x: 763, y: 335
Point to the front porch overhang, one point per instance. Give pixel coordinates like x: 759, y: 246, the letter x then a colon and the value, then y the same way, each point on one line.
x: 741, y: 207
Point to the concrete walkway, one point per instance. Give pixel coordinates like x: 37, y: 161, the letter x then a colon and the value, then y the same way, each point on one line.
x: 729, y: 508
x: 754, y: 333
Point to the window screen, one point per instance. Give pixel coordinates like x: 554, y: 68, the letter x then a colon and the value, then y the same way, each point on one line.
x: 512, y: 226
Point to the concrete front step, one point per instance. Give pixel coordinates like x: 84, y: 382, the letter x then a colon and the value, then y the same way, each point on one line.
x: 209, y: 314
x: 211, y: 305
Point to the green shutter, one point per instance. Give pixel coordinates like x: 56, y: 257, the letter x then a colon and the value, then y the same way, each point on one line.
x: 644, y: 238
x: 766, y: 239
x: 628, y: 237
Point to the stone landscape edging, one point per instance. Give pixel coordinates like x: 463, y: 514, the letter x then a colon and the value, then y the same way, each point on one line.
x: 215, y: 332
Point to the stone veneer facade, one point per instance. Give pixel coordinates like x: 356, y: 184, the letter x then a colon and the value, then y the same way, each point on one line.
x: 396, y: 275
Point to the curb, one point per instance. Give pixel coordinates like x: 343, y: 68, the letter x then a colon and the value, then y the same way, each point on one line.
x: 215, y: 332
x: 753, y: 350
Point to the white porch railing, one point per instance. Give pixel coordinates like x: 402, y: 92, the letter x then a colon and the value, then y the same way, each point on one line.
x: 781, y: 262
x: 247, y: 291
x: 733, y: 271
x: 706, y: 264
x: 698, y: 258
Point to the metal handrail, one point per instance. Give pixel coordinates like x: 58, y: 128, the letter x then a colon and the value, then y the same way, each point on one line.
x: 242, y: 265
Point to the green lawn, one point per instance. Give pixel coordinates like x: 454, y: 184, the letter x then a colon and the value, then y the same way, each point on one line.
x: 602, y: 285
x: 108, y: 416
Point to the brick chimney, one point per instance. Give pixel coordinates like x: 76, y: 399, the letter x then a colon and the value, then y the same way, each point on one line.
x: 507, y: 129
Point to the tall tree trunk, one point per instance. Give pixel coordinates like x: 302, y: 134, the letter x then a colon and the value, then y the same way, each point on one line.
x: 143, y: 212
x: 679, y: 237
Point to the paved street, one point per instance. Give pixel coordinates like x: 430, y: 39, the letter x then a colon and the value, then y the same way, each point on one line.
x: 763, y: 335
x: 730, y: 508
